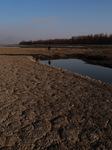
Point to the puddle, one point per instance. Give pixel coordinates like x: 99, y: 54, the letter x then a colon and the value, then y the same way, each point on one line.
x: 78, y: 66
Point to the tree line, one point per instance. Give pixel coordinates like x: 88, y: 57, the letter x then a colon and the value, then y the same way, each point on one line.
x: 85, y: 39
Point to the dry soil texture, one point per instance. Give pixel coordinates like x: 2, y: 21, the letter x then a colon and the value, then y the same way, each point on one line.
x: 46, y: 108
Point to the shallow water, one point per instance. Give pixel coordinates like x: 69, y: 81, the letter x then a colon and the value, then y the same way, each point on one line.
x: 9, y: 47
x: 78, y: 66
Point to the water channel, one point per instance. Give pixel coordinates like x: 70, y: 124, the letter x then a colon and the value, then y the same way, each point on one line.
x: 9, y: 47
x: 78, y: 66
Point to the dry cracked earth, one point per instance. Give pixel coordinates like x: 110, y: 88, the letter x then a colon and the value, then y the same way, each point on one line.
x: 46, y: 108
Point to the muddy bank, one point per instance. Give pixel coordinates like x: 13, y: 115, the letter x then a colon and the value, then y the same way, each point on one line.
x: 95, y: 55
x: 46, y: 108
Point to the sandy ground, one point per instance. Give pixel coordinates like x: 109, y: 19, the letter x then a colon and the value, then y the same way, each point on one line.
x: 46, y: 108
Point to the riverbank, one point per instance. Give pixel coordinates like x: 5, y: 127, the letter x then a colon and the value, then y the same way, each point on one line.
x: 97, y: 55
x: 44, y: 107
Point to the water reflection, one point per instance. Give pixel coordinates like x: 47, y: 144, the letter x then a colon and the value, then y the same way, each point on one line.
x: 49, y: 62
x: 78, y: 66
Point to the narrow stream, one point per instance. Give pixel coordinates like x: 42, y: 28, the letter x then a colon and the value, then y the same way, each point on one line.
x: 9, y: 47
x: 78, y: 66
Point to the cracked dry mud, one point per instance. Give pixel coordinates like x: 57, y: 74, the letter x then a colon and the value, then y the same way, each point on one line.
x: 46, y: 108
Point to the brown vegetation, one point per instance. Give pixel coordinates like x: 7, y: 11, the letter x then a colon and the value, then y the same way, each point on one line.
x: 101, y: 55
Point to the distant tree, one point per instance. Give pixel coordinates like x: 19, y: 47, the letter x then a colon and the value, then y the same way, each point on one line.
x: 85, y: 39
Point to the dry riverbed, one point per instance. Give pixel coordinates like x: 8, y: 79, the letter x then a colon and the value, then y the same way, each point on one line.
x: 47, y: 108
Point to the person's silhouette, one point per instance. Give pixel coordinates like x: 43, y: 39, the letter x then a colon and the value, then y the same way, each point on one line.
x: 49, y: 48
x: 49, y: 62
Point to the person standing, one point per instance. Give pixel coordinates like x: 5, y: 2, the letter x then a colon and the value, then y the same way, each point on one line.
x: 49, y: 48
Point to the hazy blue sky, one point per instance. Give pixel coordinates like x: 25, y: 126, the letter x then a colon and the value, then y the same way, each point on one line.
x: 44, y: 19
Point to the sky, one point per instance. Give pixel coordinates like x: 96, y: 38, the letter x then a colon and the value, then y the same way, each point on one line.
x: 49, y: 19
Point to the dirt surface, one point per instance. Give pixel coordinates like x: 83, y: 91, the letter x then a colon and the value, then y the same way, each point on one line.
x: 46, y: 108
